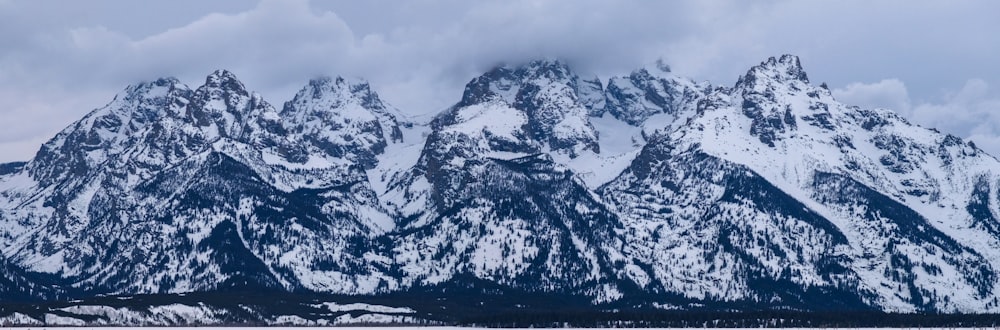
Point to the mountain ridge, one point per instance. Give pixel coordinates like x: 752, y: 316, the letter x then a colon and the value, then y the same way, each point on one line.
x: 645, y: 190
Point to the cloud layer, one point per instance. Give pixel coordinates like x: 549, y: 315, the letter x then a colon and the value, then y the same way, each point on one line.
x: 62, y: 59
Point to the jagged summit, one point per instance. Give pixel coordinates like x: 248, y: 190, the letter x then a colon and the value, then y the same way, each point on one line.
x: 553, y: 69
x: 145, y: 86
x: 653, y: 92
x: 336, y: 91
x: 776, y: 95
x: 782, y: 70
x: 546, y: 93
x: 225, y: 80
x: 343, y: 119
x: 358, y: 90
x: 662, y: 65
x: 503, y: 81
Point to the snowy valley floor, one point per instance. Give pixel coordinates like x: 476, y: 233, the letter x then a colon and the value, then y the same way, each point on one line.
x: 432, y: 328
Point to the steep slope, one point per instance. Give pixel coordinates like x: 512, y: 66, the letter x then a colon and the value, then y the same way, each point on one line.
x: 18, y: 286
x: 168, y: 189
x: 486, y: 199
x: 714, y: 230
x: 630, y: 111
x: 876, y: 178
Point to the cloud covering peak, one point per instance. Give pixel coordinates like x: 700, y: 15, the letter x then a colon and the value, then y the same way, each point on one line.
x: 419, y: 54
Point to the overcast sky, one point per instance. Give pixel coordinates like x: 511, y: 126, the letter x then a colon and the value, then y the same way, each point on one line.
x: 936, y: 62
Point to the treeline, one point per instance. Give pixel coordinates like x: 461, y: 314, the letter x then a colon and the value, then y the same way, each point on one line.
x: 473, y: 306
x: 702, y: 319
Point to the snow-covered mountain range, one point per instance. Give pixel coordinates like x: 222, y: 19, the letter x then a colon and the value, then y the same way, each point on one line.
x: 648, y: 190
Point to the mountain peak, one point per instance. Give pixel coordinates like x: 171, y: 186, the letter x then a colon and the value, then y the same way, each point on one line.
x: 152, y: 89
x: 344, y: 118
x: 222, y: 74
x: 494, y: 84
x: 223, y: 79
x: 328, y: 81
x: 503, y: 81
x: 549, y: 68
x: 159, y: 82
x: 649, y: 91
x: 662, y: 65
x: 783, y: 69
x: 360, y: 89
x: 317, y: 86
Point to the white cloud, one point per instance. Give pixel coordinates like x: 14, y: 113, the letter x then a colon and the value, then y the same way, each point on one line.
x: 888, y: 93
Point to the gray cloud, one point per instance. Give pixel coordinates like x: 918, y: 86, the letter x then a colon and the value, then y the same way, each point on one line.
x: 887, y: 93
x: 62, y: 59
